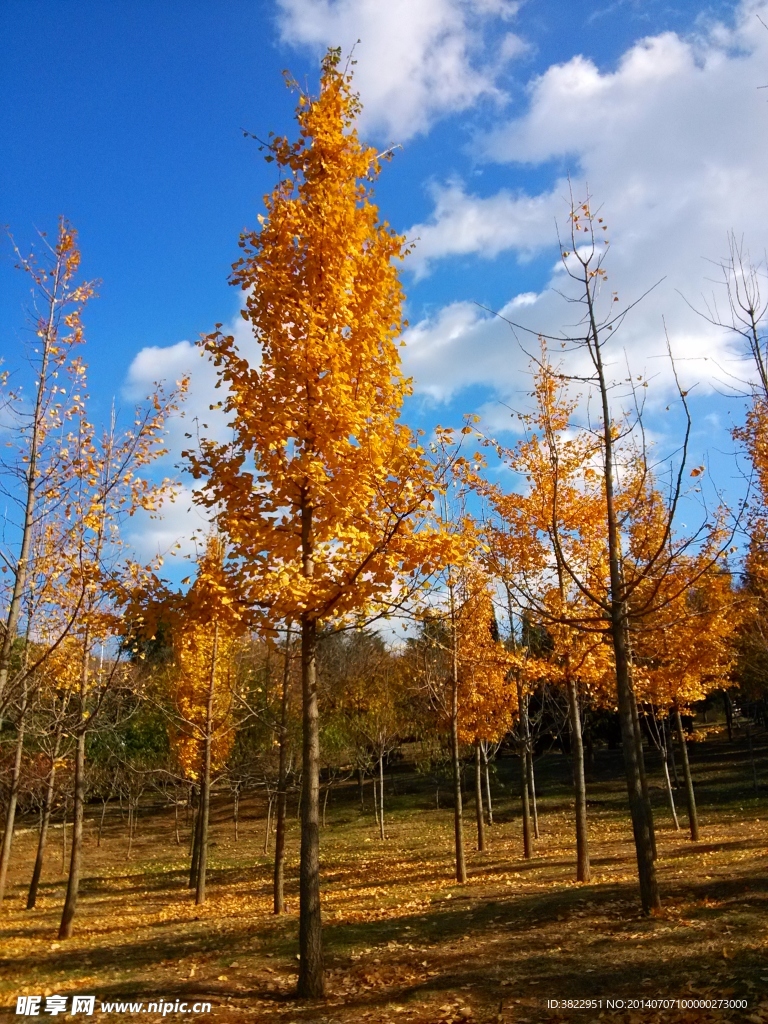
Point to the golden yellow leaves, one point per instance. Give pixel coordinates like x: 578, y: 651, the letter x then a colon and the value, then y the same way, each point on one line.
x: 319, y: 487
x: 487, y: 695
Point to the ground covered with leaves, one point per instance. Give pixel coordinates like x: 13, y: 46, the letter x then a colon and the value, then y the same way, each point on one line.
x: 403, y: 941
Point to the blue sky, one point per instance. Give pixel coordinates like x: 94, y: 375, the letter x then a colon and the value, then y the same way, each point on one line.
x: 126, y: 119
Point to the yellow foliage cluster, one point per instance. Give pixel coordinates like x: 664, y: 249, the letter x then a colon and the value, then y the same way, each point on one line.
x: 487, y: 694
x: 317, y: 491
x: 207, y: 638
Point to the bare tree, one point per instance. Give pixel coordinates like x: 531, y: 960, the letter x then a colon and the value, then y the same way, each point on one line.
x: 629, y: 592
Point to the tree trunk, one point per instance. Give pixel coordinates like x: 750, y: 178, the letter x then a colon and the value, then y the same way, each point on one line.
x: 130, y: 825
x: 278, y: 882
x: 361, y: 791
x: 671, y: 750
x: 64, y: 835
x: 76, y: 856
x: 43, y: 837
x: 381, y: 796
x: 235, y: 810
x: 532, y: 786
x: 194, y: 866
x: 670, y: 795
x: 487, y: 784
x: 13, y: 796
x: 48, y: 336
x: 104, y: 801
x: 525, y: 805
x: 325, y: 800
x: 641, y: 767
x: 690, y: 796
x: 642, y: 825
x: 579, y: 783
x: 311, y: 976
x: 458, y: 814
x: 479, y: 799
x: 728, y: 714
x: 526, y: 810
x: 205, y: 788
x: 268, y: 823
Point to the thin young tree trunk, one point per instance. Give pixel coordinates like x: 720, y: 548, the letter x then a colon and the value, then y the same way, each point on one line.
x: 194, y: 866
x: 526, y: 810
x: 642, y: 825
x: 136, y: 808
x: 690, y: 796
x: 670, y: 795
x: 325, y: 800
x: 205, y: 791
x: 191, y: 803
x: 381, y: 796
x: 130, y: 825
x: 101, y: 821
x: 311, y: 975
x: 64, y: 835
x: 43, y: 837
x: 268, y: 824
x: 643, y: 773
x: 728, y: 715
x: 282, y: 773
x: 479, y: 799
x: 13, y: 796
x: 532, y: 786
x: 76, y: 856
x: 235, y: 809
x: 175, y: 817
x: 579, y: 783
x: 525, y: 806
x: 487, y: 784
x: 48, y: 336
x: 458, y: 814
x: 671, y: 749
x: 375, y: 800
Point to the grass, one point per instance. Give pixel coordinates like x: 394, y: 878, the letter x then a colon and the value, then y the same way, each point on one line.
x: 403, y: 941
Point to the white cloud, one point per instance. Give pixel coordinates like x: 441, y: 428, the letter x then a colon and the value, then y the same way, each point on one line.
x: 178, y: 520
x: 167, y: 533
x: 462, y: 224
x: 673, y: 145
x: 463, y: 345
x: 417, y: 59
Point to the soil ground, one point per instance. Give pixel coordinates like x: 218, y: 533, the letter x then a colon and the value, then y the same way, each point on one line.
x: 404, y: 943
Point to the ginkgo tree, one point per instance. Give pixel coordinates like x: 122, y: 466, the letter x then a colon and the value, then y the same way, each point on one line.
x: 685, y: 651
x: 530, y: 534
x: 111, y: 482
x: 623, y: 586
x: 487, y: 696
x: 36, y: 481
x: 207, y: 634
x: 321, y: 489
